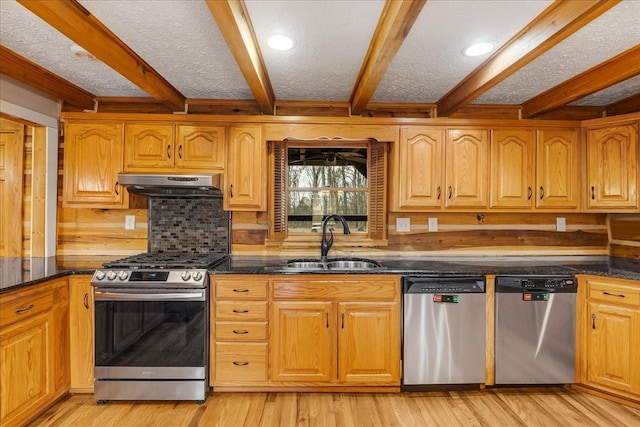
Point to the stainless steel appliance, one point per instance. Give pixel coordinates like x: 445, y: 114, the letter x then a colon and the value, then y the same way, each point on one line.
x: 443, y: 331
x: 152, y: 327
x: 535, y: 329
x: 204, y: 185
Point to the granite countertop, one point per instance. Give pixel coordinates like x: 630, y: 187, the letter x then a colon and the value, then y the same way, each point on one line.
x: 16, y: 273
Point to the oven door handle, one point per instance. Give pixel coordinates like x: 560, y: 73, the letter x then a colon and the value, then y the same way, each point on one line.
x: 186, y: 296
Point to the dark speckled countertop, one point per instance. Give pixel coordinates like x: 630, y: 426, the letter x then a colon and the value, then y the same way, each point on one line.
x: 16, y: 273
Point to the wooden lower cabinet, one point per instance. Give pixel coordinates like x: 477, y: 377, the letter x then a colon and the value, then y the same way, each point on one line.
x: 610, y: 328
x: 34, y: 350
x: 81, y: 321
x: 342, y: 330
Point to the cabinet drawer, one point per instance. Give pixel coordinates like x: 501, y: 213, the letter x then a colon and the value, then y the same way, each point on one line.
x: 241, y: 362
x: 241, y: 310
x: 22, y: 307
x: 241, y: 331
x: 241, y: 289
x: 614, y: 293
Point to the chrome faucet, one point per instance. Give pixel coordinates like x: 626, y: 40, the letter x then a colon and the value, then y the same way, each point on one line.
x: 325, y: 244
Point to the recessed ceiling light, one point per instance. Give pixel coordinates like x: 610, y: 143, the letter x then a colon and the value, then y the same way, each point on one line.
x: 479, y: 48
x: 280, y: 42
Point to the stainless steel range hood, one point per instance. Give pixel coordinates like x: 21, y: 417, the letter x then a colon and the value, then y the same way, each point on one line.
x: 167, y: 185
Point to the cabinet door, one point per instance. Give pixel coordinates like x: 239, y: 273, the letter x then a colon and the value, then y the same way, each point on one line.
x: 200, y: 147
x: 512, y: 168
x: 612, y: 173
x: 246, y: 173
x: 148, y: 147
x: 420, y: 168
x: 26, y: 364
x: 369, y: 342
x: 303, y: 337
x: 612, y: 347
x: 82, y: 332
x: 93, y: 156
x: 558, y: 169
x: 467, y: 171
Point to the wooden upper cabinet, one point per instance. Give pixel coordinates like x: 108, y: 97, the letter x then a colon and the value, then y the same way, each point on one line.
x: 512, y: 168
x: 151, y: 147
x: 466, y: 159
x: 246, y: 170
x: 93, y: 156
x: 200, y: 147
x: 420, y: 167
x: 612, y: 172
x: 148, y: 147
x: 558, y: 169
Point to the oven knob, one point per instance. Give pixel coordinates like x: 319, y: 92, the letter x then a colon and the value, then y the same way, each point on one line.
x: 100, y: 275
x: 123, y: 275
x: 185, y: 276
x: 197, y: 276
x: 111, y: 275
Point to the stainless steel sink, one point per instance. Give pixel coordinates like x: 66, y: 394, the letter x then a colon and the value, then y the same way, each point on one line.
x: 331, y: 264
x: 352, y: 264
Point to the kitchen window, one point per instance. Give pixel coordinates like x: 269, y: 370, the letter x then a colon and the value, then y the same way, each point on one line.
x: 313, y: 179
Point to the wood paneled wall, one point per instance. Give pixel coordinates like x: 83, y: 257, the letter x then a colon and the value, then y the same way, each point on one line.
x: 624, y: 236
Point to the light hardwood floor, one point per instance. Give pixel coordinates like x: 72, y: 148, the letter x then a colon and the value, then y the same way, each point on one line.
x: 495, y: 407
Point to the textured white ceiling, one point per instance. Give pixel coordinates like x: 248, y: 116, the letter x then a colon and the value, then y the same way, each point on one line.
x: 430, y: 61
x: 331, y: 39
x: 180, y: 40
x: 614, y: 32
x: 29, y: 36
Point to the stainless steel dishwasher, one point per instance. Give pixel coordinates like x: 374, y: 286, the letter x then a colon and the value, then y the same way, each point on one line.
x: 443, y: 331
x: 535, y: 329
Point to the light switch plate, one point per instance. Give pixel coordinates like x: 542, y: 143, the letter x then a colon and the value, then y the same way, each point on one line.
x: 129, y: 222
x: 561, y: 224
x: 403, y: 224
x: 433, y: 225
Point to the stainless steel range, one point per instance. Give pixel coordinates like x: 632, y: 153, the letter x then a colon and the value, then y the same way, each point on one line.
x: 152, y: 327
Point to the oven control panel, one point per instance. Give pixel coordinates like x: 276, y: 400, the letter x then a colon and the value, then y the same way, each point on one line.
x: 182, y: 277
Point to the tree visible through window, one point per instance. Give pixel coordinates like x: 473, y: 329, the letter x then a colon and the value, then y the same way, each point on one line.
x: 323, y: 181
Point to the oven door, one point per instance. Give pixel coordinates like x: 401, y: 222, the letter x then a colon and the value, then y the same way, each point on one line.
x: 151, y: 334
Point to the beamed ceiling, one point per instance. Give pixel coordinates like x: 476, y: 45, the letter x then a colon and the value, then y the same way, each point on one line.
x: 553, y: 59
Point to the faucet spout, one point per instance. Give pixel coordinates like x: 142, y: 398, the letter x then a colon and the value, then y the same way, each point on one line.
x: 325, y: 244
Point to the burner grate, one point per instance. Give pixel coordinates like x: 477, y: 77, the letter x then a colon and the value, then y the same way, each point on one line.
x: 167, y: 260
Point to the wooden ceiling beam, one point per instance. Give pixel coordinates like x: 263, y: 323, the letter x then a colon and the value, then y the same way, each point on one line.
x: 235, y: 25
x: 608, y: 73
x: 75, y: 22
x: 30, y: 73
x: 553, y: 25
x: 394, y: 25
x: 627, y: 105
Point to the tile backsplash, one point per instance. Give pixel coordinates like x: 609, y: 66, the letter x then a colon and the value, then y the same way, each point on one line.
x: 194, y: 225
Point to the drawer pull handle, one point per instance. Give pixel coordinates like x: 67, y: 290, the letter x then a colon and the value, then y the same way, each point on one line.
x: 240, y: 311
x: 530, y: 193
x: 450, y: 191
x: 180, y: 151
x: 115, y: 188
x: 593, y: 321
x: 23, y: 309
x: 327, y: 317
x: 241, y: 363
x: 241, y: 290
x: 593, y: 192
x: 240, y: 332
x: 230, y: 190
x: 342, y: 320
x: 541, y: 192
x: 169, y: 151
x: 613, y: 295
x: 85, y: 301
x: 439, y: 192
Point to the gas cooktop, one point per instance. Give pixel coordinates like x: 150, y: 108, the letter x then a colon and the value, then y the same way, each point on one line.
x: 168, y: 260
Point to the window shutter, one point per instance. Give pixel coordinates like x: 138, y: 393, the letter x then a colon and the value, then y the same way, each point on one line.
x: 279, y: 219
x: 377, y: 190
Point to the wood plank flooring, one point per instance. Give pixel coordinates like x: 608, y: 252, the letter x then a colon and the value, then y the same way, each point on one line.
x: 494, y: 407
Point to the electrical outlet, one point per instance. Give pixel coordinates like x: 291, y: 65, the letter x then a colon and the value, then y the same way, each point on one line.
x: 433, y: 225
x: 561, y: 224
x: 129, y: 222
x: 403, y: 224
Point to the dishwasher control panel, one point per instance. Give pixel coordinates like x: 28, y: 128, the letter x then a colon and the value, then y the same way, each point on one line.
x: 551, y: 284
x: 443, y: 285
